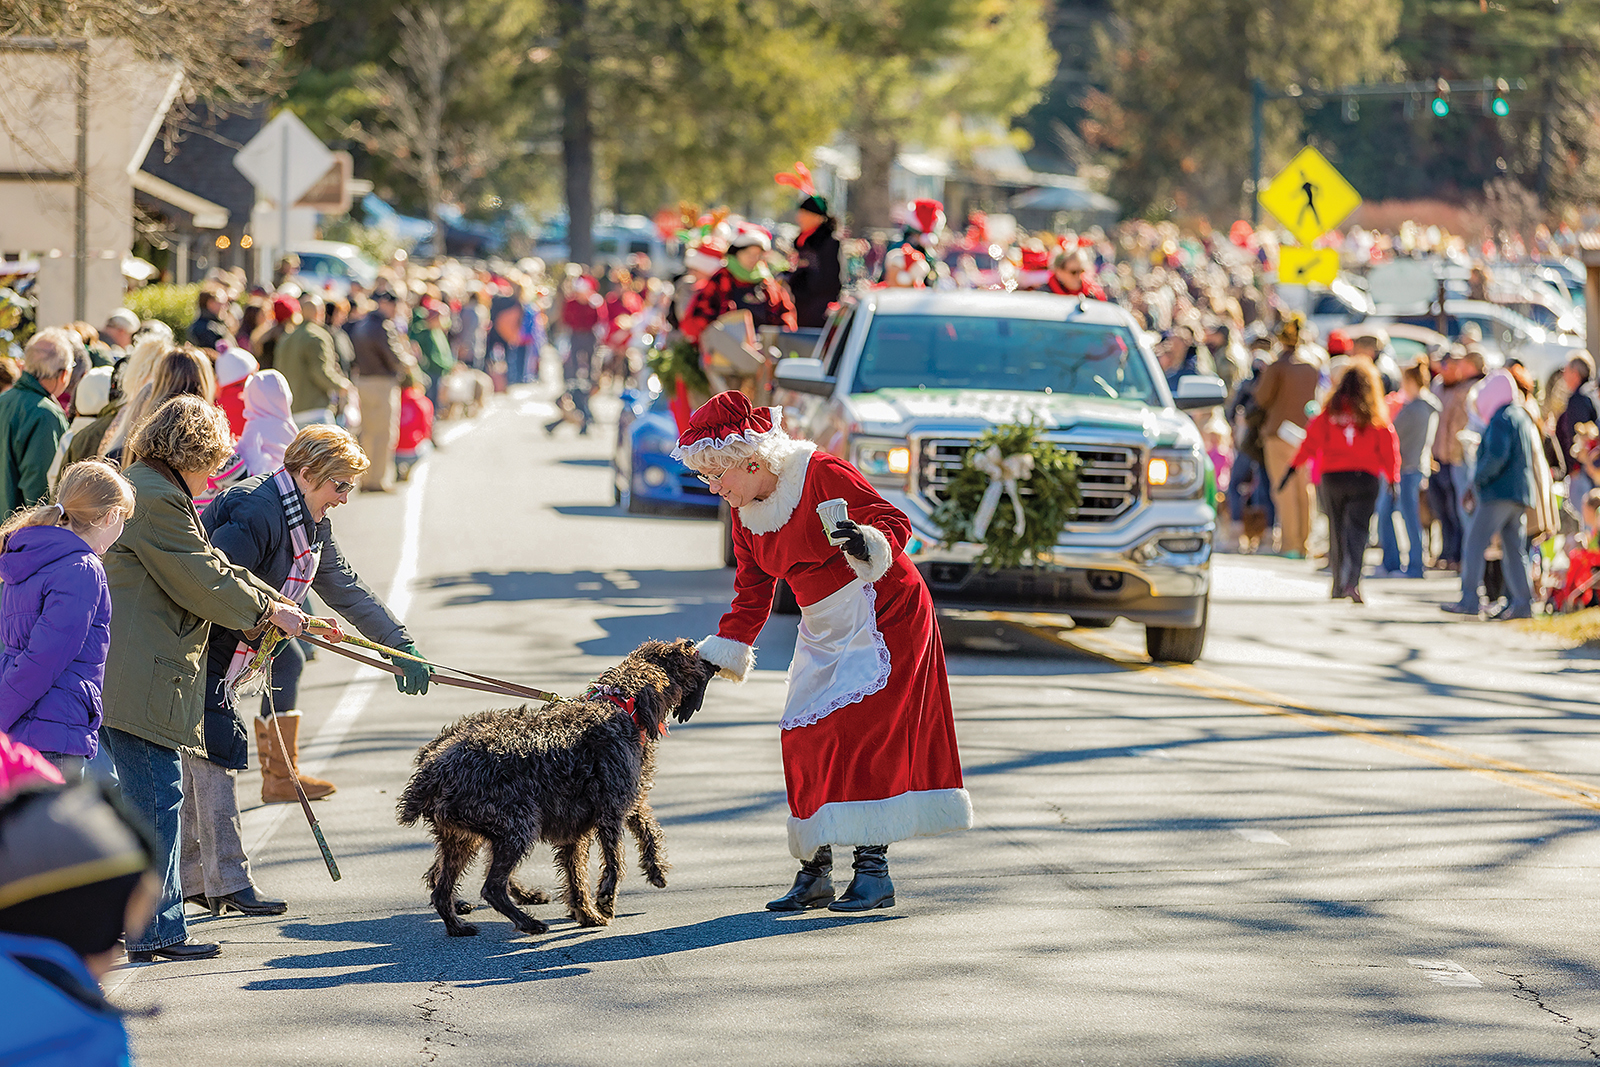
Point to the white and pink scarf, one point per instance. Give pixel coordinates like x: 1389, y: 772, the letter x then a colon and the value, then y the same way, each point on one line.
x: 247, y: 671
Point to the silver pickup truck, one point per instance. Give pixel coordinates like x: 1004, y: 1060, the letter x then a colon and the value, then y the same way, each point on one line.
x: 904, y: 380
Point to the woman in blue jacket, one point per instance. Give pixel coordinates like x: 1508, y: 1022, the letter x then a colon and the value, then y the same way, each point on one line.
x: 55, y: 619
x: 1504, y: 487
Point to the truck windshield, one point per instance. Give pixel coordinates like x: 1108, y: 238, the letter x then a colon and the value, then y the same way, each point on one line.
x: 1014, y: 355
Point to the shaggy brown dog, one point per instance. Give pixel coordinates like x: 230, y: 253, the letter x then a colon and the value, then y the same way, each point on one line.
x: 562, y: 774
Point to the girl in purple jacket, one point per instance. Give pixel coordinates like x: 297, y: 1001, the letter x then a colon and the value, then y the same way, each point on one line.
x: 55, y: 615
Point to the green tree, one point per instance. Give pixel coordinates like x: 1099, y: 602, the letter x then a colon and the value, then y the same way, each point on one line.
x: 913, y: 69
x: 1550, y: 140
x: 1174, y: 117
x: 429, y: 96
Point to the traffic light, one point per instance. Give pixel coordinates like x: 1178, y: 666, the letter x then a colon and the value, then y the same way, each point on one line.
x: 1352, y: 109
x: 1441, y: 100
x: 1499, y: 107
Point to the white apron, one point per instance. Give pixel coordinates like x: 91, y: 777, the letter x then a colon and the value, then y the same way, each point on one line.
x: 839, y: 657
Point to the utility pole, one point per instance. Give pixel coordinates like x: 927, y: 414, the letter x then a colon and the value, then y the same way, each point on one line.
x: 1258, y: 97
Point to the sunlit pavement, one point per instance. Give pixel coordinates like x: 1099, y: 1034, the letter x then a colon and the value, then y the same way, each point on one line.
x: 1349, y: 835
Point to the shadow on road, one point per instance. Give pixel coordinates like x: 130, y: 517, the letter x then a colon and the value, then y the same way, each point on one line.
x: 413, y: 947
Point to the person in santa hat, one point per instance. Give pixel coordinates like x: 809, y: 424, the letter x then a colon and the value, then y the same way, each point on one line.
x: 743, y: 284
x: 869, y: 741
x: 924, y: 226
x: 904, y: 268
x: 1069, y: 276
x: 816, y: 271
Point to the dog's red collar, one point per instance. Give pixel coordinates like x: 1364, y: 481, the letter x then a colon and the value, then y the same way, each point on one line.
x: 613, y: 695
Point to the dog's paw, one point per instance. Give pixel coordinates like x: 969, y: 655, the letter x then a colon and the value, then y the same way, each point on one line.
x: 523, y: 895
x: 533, y: 926
x: 656, y: 878
x: 589, y: 918
x: 462, y: 930
x: 464, y: 907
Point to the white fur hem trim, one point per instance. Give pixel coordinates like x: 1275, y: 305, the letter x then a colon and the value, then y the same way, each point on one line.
x: 879, y: 555
x: 769, y: 515
x: 881, y: 822
x: 734, y: 658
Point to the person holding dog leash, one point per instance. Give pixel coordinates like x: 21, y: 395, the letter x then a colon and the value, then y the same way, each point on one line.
x: 276, y: 527
x: 869, y: 741
x: 169, y: 586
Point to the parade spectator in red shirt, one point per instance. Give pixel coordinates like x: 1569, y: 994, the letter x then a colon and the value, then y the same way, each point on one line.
x: 416, y: 425
x: 1355, y: 450
x: 1069, y: 276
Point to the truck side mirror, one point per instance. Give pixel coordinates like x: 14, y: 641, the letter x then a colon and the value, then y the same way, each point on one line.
x: 803, y: 374
x: 1196, y: 391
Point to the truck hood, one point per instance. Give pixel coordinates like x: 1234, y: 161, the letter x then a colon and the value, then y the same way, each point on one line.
x: 899, y: 410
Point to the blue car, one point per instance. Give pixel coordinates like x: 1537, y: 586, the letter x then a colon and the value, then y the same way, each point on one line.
x: 644, y: 476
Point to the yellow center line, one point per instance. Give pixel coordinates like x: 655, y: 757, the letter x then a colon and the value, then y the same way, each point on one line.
x: 1210, y: 684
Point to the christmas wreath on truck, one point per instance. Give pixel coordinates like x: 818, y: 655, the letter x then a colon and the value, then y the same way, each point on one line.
x: 1014, y: 494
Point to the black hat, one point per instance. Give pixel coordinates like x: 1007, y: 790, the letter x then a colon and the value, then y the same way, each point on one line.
x: 69, y: 860
x: 814, y: 203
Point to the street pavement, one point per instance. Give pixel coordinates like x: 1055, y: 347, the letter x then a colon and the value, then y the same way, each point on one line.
x: 1349, y: 835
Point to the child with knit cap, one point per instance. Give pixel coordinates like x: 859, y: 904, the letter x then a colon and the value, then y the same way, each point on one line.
x: 234, y: 367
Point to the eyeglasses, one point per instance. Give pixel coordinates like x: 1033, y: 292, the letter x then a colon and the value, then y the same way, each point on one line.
x: 343, y: 487
x: 715, y: 476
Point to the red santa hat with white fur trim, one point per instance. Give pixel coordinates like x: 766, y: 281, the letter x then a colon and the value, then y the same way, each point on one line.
x: 750, y: 235
x: 906, y: 266
x: 725, y: 418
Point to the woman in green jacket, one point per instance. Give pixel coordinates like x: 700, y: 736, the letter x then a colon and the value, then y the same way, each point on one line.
x: 168, y: 585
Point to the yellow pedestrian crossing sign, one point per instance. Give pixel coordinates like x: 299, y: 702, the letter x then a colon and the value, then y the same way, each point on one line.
x: 1303, y: 266
x: 1309, y: 196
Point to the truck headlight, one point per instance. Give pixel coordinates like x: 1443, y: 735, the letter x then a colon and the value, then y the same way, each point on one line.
x: 881, y: 459
x: 1175, y: 472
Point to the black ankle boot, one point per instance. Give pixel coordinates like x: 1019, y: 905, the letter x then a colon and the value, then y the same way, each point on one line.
x: 813, y: 886
x: 870, y: 888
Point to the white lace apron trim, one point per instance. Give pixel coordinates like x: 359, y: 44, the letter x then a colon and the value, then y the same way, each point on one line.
x: 839, y: 657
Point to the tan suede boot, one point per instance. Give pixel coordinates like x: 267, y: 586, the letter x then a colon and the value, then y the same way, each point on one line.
x: 276, y: 786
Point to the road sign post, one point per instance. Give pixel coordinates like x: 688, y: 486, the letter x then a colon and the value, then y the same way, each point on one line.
x: 283, y: 161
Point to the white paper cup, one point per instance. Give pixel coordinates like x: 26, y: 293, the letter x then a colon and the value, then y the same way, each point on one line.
x: 832, y: 513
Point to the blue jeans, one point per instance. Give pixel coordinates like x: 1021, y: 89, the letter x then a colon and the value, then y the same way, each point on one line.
x: 1506, y: 518
x: 1444, y: 497
x: 151, y: 778
x: 1408, y: 502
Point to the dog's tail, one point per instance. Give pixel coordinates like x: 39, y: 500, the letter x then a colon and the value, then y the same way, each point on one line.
x: 418, y: 797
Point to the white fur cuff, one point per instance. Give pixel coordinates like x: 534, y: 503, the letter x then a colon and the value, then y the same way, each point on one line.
x: 879, y: 555
x: 734, y: 659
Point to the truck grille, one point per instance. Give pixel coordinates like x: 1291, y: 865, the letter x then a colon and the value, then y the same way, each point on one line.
x: 1108, y: 481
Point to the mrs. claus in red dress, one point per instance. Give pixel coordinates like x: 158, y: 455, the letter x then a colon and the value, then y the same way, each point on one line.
x: 869, y: 741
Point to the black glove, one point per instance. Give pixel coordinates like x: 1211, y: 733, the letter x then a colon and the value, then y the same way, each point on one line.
x: 1284, y: 482
x: 848, y: 536
x: 695, y: 695
x: 414, y: 680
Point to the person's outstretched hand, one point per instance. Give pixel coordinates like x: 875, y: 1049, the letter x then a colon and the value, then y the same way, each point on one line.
x: 414, y: 679
x: 848, y: 536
